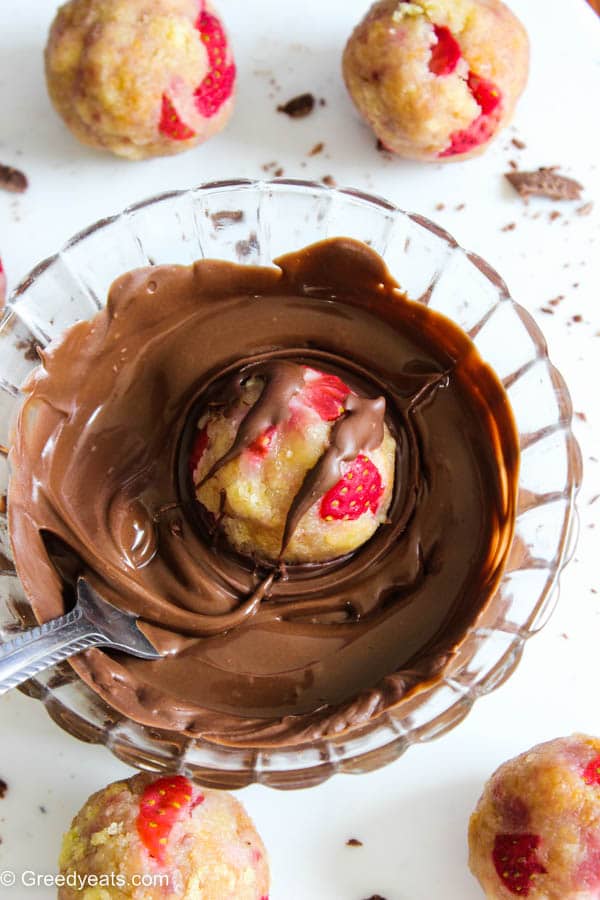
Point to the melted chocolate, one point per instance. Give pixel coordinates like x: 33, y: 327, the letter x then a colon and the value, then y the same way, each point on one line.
x: 253, y: 656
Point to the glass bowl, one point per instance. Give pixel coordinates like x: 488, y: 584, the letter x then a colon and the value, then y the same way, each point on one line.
x: 254, y: 222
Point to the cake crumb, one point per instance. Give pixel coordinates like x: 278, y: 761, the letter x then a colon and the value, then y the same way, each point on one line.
x: 556, y: 300
x: 581, y: 416
x: 554, y: 215
x: 278, y: 172
x: 329, y: 180
x: 440, y: 206
x: 298, y: 107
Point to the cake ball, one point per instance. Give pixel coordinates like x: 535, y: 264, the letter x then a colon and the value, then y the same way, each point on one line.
x: 293, y: 465
x: 536, y: 829
x: 437, y: 79
x: 2, y: 285
x: 150, y: 837
x: 140, y: 78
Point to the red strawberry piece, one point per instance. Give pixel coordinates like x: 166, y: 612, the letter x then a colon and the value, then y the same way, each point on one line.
x: 485, y: 92
x: 198, y: 448
x: 516, y: 861
x: 170, y: 123
x: 2, y: 285
x: 446, y: 53
x: 163, y: 803
x: 263, y: 443
x: 326, y: 394
x: 481, y: 129
x: 217, y: 85
x: 357, y: 492
x: 591, y: 774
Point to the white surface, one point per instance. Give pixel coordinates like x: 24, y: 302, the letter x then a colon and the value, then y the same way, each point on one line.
x: 412, y: 816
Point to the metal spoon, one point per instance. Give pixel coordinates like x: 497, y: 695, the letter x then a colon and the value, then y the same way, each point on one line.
x: 92, y: 622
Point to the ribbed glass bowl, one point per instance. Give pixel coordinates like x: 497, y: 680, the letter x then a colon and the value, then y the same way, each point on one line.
x: 254, y: 222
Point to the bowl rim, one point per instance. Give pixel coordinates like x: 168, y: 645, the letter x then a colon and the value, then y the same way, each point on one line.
x: 370, y: 758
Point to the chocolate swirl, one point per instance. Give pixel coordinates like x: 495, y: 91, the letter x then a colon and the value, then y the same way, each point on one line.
x: 254, y: 656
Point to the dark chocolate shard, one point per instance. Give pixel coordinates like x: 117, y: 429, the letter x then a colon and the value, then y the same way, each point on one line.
x: 298, y: 107
x: 13, y: 180
x: 545, y: 183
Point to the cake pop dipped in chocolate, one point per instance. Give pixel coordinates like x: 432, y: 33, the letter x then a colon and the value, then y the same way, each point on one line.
x: 437, y: 79
x: 292, y: 464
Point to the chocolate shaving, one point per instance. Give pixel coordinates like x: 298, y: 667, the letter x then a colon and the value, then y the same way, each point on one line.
x: 13, y: 180
x: 585, y: 210
x: 298, y: 107
x: 226, y: 217
x: 30, y: 349
x: 544, y: 183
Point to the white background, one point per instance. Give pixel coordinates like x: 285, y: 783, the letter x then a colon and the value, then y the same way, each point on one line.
x: 412, y: 816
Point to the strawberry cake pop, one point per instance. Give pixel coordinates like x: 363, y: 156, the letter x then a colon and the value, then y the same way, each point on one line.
x: 140, y: 78
x: 437, y: 79
x: 294, y: 465
x: 536, y: 830
x: 148, y: 838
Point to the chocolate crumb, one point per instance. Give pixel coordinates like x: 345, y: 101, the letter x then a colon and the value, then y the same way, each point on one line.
x: 594, y: 499
x: 3, y: 788
x: 555, y: 214
x: 381, y: 146
x: 13, y: 180
x: 520, y: 145
x: 278, y: 172
x: 245, y: 248
x: 513, y: 164
x: 266, y: 167
x: 581, y: 416
x: 299, y: 106
x: 30, y: 349
x: 460, y: 207
x: 510, y: 227
x: 440, y: 206
x: 556, y: 300
x: 5, y: 563
x: 577, y: 318
x: 318, y: 148
x: 375, y: 897
x: 354, y: 842
x: 3, y: 504
x: 322, y: 101
x: 547, y: 310
x: 329, y: 180
x: 585, y: 210
x: 564, y: 636
x: 545, y: 183
x: 226, y: 216
x: 42, y: 809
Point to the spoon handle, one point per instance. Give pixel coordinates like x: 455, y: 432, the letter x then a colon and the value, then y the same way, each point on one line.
x: 45, y: 645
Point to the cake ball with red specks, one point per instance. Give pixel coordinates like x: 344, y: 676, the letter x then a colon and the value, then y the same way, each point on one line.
x: 536, y: 830
x: 437, y: 79
x: 2, y: 285
x: 293, y: 465
x: 140, y: 78
x: 148, y: 838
